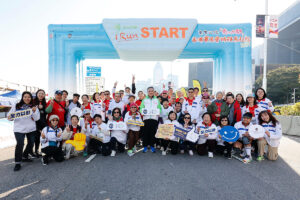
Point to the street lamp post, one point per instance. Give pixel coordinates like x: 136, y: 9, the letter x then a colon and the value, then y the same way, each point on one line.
x: 264, y: 81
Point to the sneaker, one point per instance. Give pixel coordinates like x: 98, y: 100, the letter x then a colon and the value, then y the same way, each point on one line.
x: 191, y: 152
x: 182, y: 151
x: 134, y: 150
x: 32, y: 156
x: 247, y: 159
x: 17, y: 167
x: 161, y: 148
x: 153, y: 149
x: 43, y: 161
x: 145, y: 149
x: 229, y: 156
x: 210, y: 154
x: 164, y: 153
x: 85, y: 154
x: 243, y: 154
x: 113, y: 153
x: 130, y: 153
x: 158, y: 146
x: 260, y: 158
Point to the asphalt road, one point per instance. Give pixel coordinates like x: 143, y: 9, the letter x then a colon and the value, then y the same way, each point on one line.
x: 149, y: 176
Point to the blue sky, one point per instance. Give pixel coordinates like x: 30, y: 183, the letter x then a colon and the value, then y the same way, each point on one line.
x: 23, y: 28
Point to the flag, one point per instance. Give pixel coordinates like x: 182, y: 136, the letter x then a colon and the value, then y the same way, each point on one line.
x: 183, y: 91
x: 196, y: 84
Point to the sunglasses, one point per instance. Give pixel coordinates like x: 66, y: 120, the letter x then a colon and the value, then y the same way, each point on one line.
x: 106, y: 94
x: 187, y: 118
x: 133, y: 107
x: 205, y: 90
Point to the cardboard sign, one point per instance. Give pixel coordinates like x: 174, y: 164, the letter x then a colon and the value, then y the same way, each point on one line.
x: 229, y: 134
x: 165, y: 131
x: 21, y: 114
x: 150, y: 111
x: 96, y: 138
x: 192, y: 136
x: 180, y: 132
x: 208, y: 131
x: 136, y: 123
x: 116, y: 126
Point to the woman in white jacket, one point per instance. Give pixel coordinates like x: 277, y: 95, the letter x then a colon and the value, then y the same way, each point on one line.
x: 273, y: 134
x: 134, y: 130
x: 208, y: 134
x: 24, y: 126
x: 173, y: 141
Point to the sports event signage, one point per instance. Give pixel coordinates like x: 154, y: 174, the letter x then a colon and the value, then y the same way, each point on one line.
x: 207, y: 131
x: 150, y: 112
x: 116, y: 126
x: 229, y: 134
x: 137, y: 123
x: 165, y: 131
x: 180, y: 132
x: 164, y: 38
x: 21, y: 114
x: 192, y: 136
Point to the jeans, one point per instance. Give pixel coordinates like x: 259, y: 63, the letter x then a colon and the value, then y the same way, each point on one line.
x: 20, y: 145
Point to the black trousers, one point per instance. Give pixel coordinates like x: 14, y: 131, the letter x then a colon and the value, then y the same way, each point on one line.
x: 114, y: 143
x: 20, y: 145
x: 186, y: 145
x: 52, y: 151
x: 173, y: 146
x: 99, y: 147
x: 208, y: 146
x: 150, y: 128
x: 37, y: 137
x: 220, y: 149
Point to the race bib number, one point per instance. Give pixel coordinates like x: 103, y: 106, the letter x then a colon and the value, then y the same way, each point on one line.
x: 21, y: 114
x: 116, y: 126
x: 136, y: 123
x: 146, y: 111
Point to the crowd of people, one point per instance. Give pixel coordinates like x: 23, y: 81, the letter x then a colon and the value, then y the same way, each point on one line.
x: 51, y: 123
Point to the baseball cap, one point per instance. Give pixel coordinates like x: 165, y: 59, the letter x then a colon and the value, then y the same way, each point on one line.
x: 58, y: 92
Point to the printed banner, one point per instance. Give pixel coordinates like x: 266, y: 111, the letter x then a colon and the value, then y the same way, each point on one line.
x: 180, y: 132
x: 192, y: 136
x: 208, y: 131
x: 260, y: 26
x: 150, y: 111
x: 21, y: 114
x: 164, y: 38
x: 165, y: 131
x: 137, y: 123
x: 116, y: 126
x: 273, y: 26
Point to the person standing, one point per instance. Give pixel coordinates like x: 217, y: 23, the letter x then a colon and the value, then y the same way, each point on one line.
x: 263, y: 101
x: 218, y: 109
x: 73, y: 104
x: 25, y: 126
x: 235, y: 114
x: 150, y: 104
x: 40, y: 102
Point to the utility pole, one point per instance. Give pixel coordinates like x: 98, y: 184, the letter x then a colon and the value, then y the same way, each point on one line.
x: 294, y: 95
x: 264, y: 82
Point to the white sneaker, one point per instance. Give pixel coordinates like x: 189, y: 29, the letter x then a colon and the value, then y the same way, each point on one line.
x: 191, y: 152
x: 113, y: 153
x: 161, y: 148
x: 247, y: 159
x: 182, y: 151
x: 157, y: 146
x: 210, y: 154
x: 164, y: 153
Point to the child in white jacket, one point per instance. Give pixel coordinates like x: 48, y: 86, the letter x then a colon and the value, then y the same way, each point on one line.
x: 173, y: 141
x: 51, y: 137
x: 99, y: 132
x: 273, y: 134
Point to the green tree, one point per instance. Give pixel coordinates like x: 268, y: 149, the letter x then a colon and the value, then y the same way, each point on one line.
x: 281, y: 82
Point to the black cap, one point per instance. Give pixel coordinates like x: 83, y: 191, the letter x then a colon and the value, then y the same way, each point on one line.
x: 97, y: 115
x: 247, y: 115
x: 58, y: 92
x: 76, y: 95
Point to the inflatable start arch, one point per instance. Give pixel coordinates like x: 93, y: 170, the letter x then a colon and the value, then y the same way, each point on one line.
x: 229, y: 45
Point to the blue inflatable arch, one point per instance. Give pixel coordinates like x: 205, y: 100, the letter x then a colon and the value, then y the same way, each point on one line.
x: 229, y: 45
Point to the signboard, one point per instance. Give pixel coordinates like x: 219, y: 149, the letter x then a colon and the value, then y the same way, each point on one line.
x: 207, y: 131
x: 94, y: 84
x: 21, y: 114
x: 164, y: 38
x: 165, y: 131
x: 180, y: 132
x: 150, y: 111
x: 93, y: 71
x: 137, y: 123
x: 273, y: 26
x: 260, y: 26
x: 192, y: 136
x: 116, y: 126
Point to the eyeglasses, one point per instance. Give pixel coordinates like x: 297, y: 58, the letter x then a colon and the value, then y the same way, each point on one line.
x: 187, y: 118
x: 205, y: 90
x: 106, y: 94
x: 116, y: 112
x: 133, y: 107
x: 55, y: 120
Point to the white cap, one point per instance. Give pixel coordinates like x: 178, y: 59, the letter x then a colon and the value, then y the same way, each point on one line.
x: 53, y: 117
